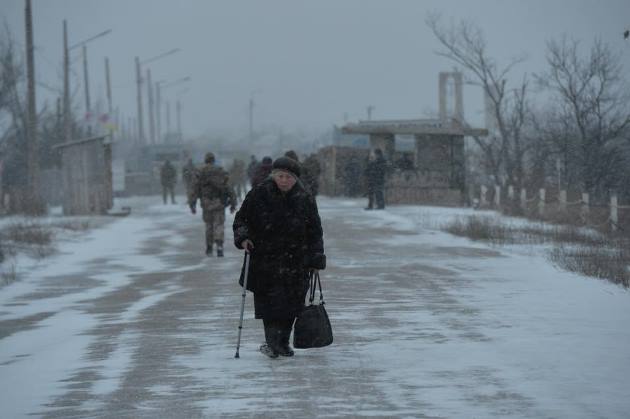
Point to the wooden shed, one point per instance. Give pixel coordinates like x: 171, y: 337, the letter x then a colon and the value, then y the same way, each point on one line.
x: 86, y: 175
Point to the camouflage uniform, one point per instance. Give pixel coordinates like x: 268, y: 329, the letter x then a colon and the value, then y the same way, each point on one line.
x: 168, y: 178
x: 188, y: 174
x: 211, y: 187
x: 237, y: 176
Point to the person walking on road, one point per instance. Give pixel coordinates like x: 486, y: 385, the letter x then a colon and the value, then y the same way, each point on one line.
x: 237, y: 177
x: 168, y: 178
x: 211, y: 187
x: 251, y: 169
x: 375, y: 176
x: 188, y: 175
x: 279, y: 225
x: 262, y: 172
x: 312, y: 170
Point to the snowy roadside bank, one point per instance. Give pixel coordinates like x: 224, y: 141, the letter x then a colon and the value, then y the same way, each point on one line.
x: 45, y: 324
x: 27, y: 243
x: 463, y: 328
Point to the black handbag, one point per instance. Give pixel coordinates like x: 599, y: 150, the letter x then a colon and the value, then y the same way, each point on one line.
x: 312, y: 327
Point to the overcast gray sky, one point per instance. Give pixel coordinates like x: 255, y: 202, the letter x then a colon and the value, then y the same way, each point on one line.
x: 305, y: 62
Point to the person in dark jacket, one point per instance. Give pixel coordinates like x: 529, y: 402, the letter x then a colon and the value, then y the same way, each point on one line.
x: 168, y: 179
x: 375, y: 176
x: 262, y: 172
x: 279, y: 225
x: 312, y: 171
x: 309, y: 172
x: 293, y: 155
x: 251, y: 169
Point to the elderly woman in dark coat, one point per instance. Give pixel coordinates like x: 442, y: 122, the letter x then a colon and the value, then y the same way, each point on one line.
x: 279, y: 225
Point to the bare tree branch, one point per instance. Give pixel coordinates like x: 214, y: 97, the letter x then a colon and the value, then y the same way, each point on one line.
x: 464, y: 44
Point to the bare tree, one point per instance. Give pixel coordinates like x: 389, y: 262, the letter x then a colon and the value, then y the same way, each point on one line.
x: 592, y: 115
x: 504, y: 151
x: 12, y: 123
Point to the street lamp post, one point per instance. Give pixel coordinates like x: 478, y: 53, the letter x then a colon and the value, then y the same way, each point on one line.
x: 151, y: 107
x: 251, y: 120
x: 158, y: 97
x: 33, y: 199
x: 85, y: 65
x: 86, y: 81
x: 85, y: 68
x: 109, y: 88
x: 178, y: 109
x: 139, y: 92
x: 158, y: 110
x: 139, y: 102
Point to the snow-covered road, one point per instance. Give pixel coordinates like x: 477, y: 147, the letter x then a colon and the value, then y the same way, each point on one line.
x: 134, y: 321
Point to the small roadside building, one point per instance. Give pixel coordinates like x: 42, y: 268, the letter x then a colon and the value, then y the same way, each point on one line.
x: 86, y: 167
x: 437, y: 156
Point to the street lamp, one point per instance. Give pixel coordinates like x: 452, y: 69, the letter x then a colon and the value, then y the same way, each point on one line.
x: 149, y: 89
x: 165, y: 84
x: 85, y: 65
x: 78, y: 44
x: 162, y: 55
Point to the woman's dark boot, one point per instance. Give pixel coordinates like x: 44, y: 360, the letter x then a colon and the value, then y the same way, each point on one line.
x: 269, y: 348
x: 285, y: 333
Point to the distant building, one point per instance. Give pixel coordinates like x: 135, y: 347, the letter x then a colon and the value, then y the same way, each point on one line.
x: 86, y: 167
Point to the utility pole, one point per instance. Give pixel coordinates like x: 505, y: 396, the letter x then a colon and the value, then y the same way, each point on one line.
x: 132, y: 130
x: 33, y: 202
x: 178, y: 108
x: 86, y: 80
x: 158, y: 110
x: 150, y: 107
x: 370, y: 108
x: 87, y: 84
x: 139, y: 89
x: 139, y: 93
x: 59, y: 119
x: 134, y: 127
x: 139, y: 98
x: 168, y: 118
x: 251, y: 120
x: 159, y: 85
x: 67, y: 127
x: 117, y: 121
x: 109, y: 88
x: 108, y: 91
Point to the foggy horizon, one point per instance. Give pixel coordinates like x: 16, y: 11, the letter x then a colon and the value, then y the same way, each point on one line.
x: 304, y: 64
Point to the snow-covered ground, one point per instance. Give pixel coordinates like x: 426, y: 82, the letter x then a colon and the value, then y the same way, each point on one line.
x: 131, y: 320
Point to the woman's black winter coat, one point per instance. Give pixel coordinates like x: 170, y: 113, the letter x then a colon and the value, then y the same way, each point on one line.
x: 288, y: 240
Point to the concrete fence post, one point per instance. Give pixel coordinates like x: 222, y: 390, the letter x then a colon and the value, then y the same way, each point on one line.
x: 585, y: 207
x: 482, y: 198
x: 562, y: 199
x: 523, y: 199
x: 497, y: 196
x: 511, y: 193
x: 541, y: 202
x: 614, y: 216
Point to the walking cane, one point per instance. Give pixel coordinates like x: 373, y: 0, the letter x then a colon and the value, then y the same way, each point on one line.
x: 240, y: 324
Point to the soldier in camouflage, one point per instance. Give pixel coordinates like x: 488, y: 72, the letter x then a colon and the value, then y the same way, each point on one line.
x: 168, y: 179
x: 188, y: 174
x: 211, y: 186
